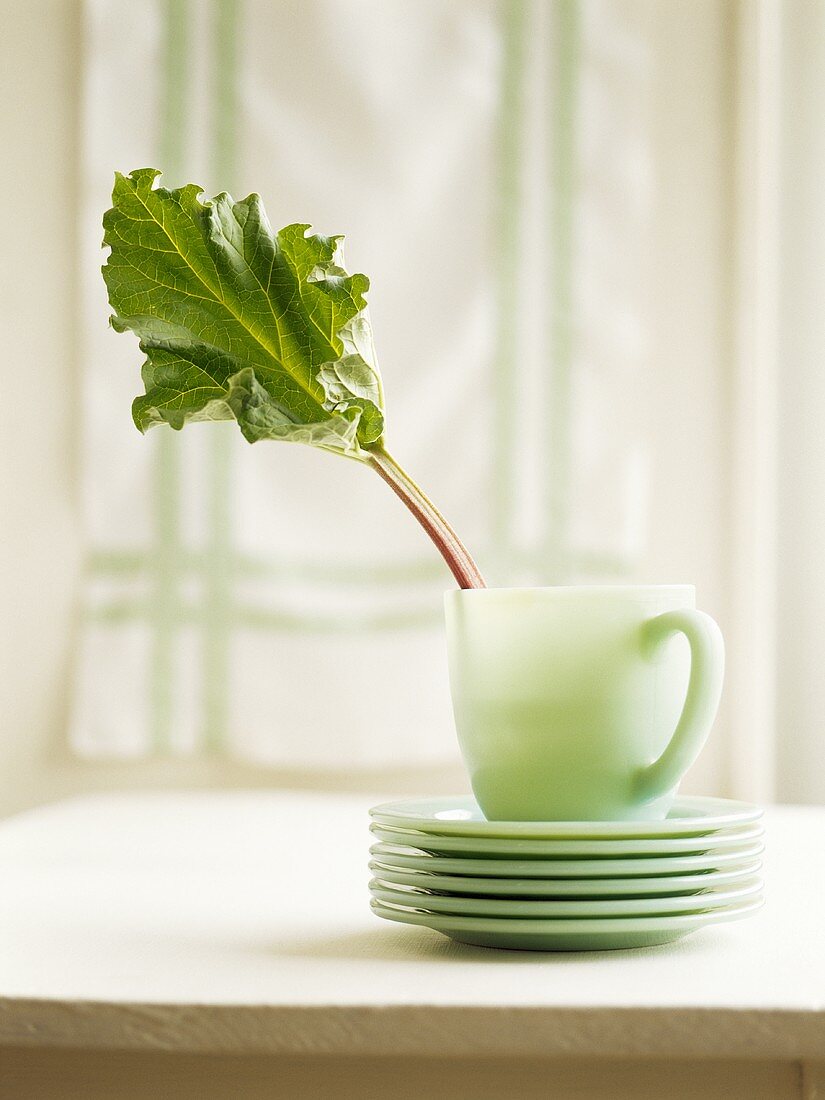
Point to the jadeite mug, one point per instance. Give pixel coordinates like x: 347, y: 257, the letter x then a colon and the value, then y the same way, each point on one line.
x: 581, y: 703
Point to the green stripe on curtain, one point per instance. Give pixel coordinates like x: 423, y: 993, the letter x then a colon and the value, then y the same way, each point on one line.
x: 128, y: 563
x: 218, y: 571
x: 167, y: 608
x: 506, y: 262
x: 164, y: 606
x: 562, y: 189
x: 117, y: 612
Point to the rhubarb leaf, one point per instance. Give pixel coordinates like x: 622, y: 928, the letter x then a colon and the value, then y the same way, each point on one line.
x: 239, y: 322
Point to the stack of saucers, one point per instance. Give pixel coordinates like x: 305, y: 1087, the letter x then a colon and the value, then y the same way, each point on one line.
x: 565, y: 885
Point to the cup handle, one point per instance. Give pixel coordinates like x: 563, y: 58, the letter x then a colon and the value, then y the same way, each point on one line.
x: 707, y: 669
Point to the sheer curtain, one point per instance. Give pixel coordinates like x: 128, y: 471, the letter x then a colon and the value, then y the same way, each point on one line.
x: 489, y: 162
x: 594, y: 228
x: 698, y: 184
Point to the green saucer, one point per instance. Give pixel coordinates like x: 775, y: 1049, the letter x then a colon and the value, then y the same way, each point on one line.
x: 514, y: 848
x: 403, y: 858
x: 428, y: 902
x: 460, y: 816
x: 667, y: 886
x: 610, y: 934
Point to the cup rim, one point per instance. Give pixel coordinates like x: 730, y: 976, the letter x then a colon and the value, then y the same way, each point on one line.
x: 573, y: 590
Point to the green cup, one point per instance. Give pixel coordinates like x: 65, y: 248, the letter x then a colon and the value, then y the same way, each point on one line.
x: 581, y: 703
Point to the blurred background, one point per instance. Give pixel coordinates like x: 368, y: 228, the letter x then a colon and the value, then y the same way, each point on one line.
x: 594, y: 231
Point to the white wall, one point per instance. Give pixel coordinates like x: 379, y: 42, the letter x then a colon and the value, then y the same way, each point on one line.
x: 685, y: 416
x: 801, y: 384
x: 39, y: 62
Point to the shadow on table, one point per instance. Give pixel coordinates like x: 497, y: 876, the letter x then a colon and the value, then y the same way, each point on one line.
x: 415, y: 944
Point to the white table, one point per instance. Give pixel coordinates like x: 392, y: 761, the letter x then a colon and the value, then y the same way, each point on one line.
x: 202, y: 944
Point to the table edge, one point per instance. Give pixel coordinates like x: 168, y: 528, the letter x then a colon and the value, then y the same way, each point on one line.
x: 426, y: 1030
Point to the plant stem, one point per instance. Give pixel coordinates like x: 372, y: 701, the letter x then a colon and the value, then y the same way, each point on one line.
x: 449, y: 545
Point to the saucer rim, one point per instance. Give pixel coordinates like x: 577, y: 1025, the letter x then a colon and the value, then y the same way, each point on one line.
x: 707, y: 901
x: 610, y: 847
x: 469, y: 886
x: 704, y: 814
x: 655, y: 866
x: 583, y: 925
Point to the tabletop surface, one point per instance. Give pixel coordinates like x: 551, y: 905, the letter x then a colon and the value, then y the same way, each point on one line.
x: 241, y: 921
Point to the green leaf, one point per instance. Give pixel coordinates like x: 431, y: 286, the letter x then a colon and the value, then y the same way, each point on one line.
x: 239, y: 322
